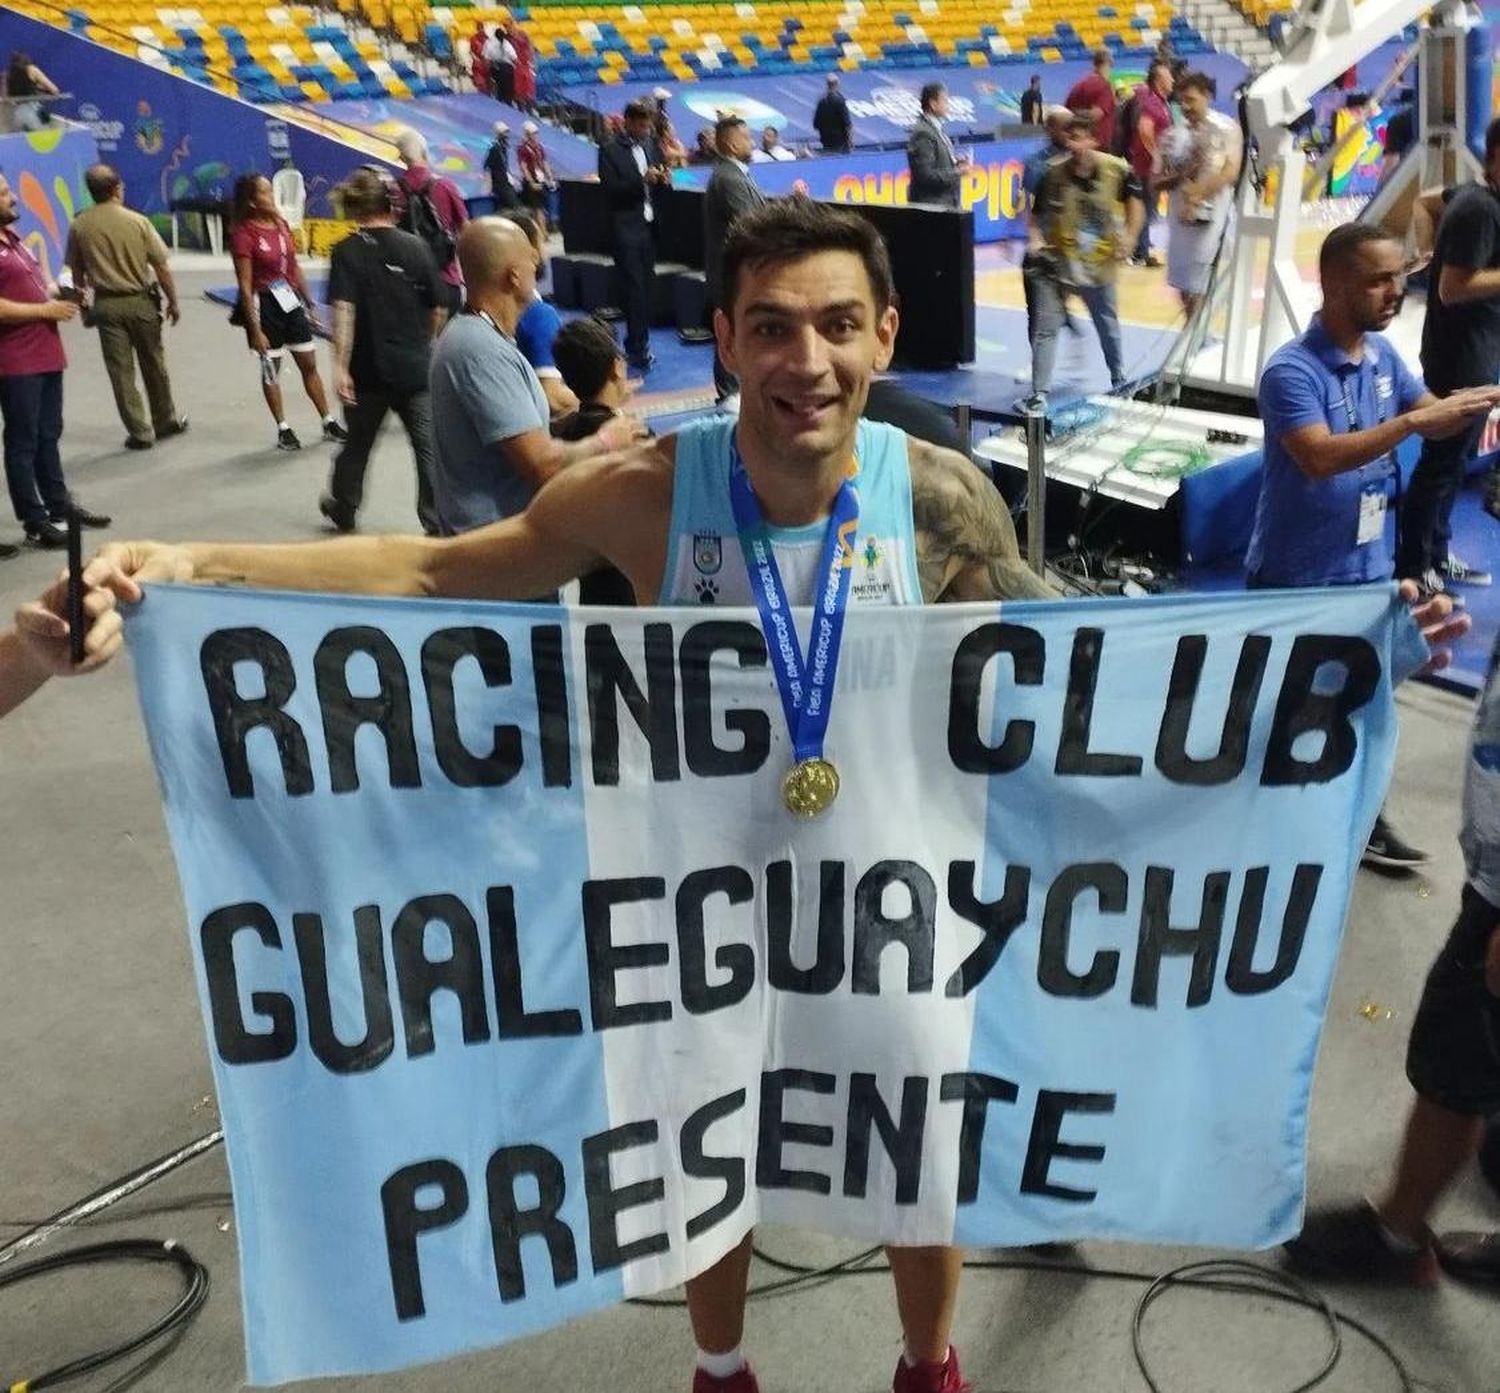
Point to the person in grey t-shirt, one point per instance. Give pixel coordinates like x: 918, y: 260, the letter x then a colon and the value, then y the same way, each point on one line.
x: 494, y: 448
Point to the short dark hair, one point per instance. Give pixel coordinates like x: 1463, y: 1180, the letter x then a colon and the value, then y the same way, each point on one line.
x: 931, y: 91
x: 1197, y: 82
x: 365, y: 194
x: 1491, y: 139
x: 585, y: 352
x: 725, y: 124
x: 638, y: 106
x: 1156, y: 63
x: 1343, y: 244
x: 1103, y: 57
x: 786, y: 229
x: 526, y: 219
x: 102, y: 181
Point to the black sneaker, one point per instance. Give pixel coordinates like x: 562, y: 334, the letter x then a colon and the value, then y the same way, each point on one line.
x: 85, y: 518
x: 47, y: 535
x: 1456, y: 571
x: 1351, y: 1242
x: 1471, y: 1256
x: 286, y: 439
x: 176, y: 428
x: 1386, y: 848
x: 334, y: 432
x: 341, y: 518
x: 133, y: 442
x: 1430, y: 583
x: 8, y: 550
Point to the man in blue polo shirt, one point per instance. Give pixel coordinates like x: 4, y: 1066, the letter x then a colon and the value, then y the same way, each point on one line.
x: 1336, y: 402
x: 537, y: 328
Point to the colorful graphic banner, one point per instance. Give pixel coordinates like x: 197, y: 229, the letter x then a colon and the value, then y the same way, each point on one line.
x: 525, y: 991
x: 171, y: 138
x: 991, y: 186
x: 45, y: 168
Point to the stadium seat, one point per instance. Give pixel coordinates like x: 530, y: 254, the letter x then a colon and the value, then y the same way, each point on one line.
x: 296, y: 53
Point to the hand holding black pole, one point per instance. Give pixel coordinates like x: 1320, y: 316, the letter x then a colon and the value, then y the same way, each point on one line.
x: 76, y: 626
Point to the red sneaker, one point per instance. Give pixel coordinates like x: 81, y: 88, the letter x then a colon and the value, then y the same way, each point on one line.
x: 741, y: 1382
x: 930, y: 1378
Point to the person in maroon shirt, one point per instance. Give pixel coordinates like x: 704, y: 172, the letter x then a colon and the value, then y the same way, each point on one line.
x: 479, y: 70
x: 525, y: 93
x: 1092, y: 95
x: 31, y: 389
x: 1152, y: 117
x: 448, y: 203
x: 273, y: 304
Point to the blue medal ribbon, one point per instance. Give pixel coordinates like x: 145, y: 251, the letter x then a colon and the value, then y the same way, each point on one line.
x: 805, y: 684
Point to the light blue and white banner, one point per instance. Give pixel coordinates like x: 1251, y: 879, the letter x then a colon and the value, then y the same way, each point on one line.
x: 525, y: 993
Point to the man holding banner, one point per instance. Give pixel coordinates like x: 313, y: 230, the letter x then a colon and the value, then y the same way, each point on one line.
x: 807, y: 319
x: 799, y: 504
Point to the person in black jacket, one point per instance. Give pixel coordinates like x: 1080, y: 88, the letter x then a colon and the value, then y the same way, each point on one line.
x: 730, y: 193
x: 831, y: 119
x: 630, y: 169
x: 935, y: 168
x: 497, y: 166
x: 1031, y: 102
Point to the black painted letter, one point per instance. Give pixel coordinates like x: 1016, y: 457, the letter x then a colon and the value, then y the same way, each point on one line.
x: 441, y: 654
x: 236, y: 716
x: 1046, y: 1129
x: 389, y: 710
x: 405, y: 1222
x: 606, y: 959
x: 235, y: 1042
x: 753, y: 726
x: 1301, y: 711
x: 509, y: 1223
x: 966, y: 742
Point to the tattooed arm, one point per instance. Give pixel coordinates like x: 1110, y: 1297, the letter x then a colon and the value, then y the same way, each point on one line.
x: 966, y: 542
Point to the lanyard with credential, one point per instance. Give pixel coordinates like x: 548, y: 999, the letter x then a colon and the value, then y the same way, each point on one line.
x: 1393, y: 469
x: 805, y: 684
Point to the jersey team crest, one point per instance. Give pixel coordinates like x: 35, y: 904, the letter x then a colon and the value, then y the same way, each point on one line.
x: 708, y: 552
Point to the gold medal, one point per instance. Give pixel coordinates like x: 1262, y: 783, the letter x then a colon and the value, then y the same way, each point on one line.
x: 810, y: 786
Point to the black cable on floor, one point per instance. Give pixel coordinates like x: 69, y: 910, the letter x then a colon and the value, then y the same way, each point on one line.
x: 1225, y: 1276
x: 168, y: 1326
x: 1222, y: 1275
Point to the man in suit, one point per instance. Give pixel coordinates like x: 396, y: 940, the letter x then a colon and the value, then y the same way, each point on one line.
x: 730, y: 193
x: 935, y: 169
x: 630, y: 169
x: 831, y: 119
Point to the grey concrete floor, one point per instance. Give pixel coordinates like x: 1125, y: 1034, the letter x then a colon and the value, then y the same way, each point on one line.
x: 105, y: 1067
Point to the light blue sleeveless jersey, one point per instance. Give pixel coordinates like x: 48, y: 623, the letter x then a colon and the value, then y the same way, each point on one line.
x: 706, y: 566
